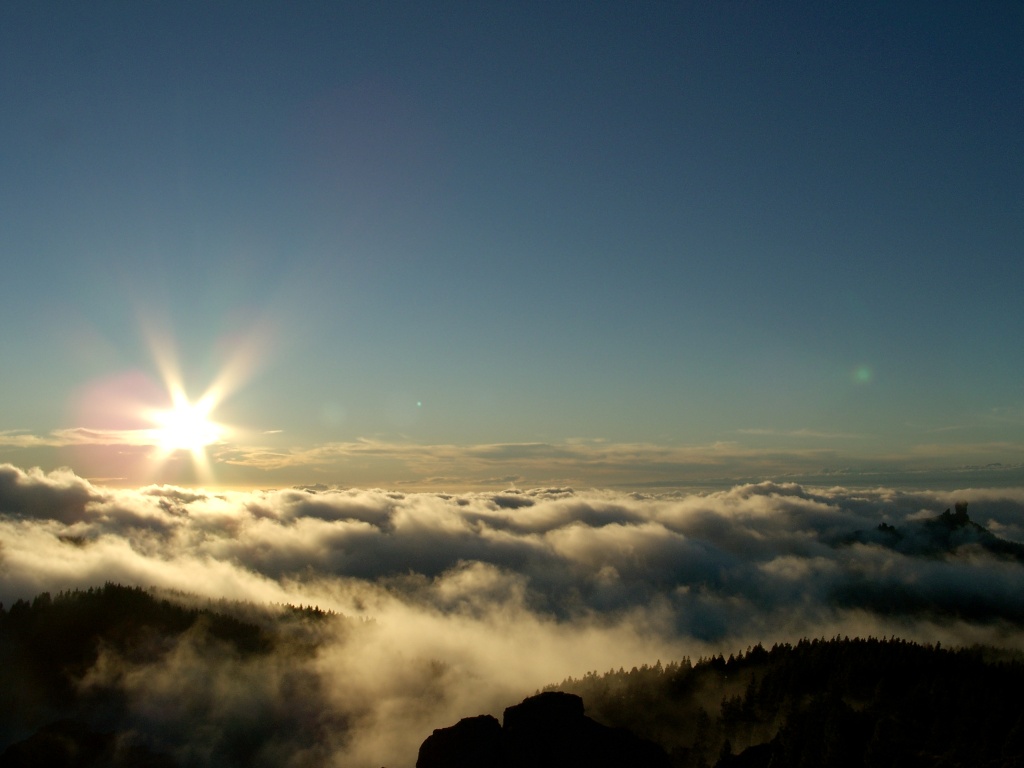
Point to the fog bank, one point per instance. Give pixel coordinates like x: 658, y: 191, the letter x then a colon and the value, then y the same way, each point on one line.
x: 478, y: 599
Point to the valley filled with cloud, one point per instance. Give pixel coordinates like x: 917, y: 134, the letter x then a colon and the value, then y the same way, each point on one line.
x: 454, y: 604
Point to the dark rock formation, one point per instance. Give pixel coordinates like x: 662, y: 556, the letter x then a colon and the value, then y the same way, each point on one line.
x: 757, y: 756
x: 549, y: 729
x: 473, y: 742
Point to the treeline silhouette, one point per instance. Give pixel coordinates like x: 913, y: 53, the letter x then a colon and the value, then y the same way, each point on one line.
x: 48, y: 646
x: 840, y: 703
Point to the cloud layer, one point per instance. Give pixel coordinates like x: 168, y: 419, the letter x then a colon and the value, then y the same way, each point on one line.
x: 480, y: 598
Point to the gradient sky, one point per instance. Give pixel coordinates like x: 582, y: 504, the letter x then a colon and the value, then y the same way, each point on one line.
x: 473, y: 244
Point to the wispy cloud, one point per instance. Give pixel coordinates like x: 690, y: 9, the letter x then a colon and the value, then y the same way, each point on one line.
x: 802, y: 433
x: 589, y: 462
x: 608, y: 464
x: 19, y: 438
x: 757, y: 454
x: 60, y: 438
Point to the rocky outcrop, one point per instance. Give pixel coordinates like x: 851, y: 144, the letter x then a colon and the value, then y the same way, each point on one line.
x: 543, y: 731
x: 937, y: 537
x: 473, y: 742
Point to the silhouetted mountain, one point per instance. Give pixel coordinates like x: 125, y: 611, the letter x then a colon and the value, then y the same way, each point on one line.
x: 547, y: 730
x: 941, y: 535
x: 949, y: 536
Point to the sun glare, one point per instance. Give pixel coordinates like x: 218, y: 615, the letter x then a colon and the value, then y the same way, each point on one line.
x: 183, y: 437
x: 186, y: 426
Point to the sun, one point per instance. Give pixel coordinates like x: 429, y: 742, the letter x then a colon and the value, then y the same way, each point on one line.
x: 186, y: 426
x: 183, y: 438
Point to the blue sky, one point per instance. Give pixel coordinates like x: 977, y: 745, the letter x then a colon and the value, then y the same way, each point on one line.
x: 465, y: 244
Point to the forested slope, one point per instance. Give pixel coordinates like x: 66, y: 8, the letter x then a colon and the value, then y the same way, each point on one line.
x: 119, y: 676
x: 834, y: 703
x: 71, y: 662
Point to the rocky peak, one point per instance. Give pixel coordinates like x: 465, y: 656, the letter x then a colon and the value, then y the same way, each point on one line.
x: 543, y: 731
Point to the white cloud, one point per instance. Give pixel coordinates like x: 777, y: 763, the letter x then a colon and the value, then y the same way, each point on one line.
x: 480, y: 598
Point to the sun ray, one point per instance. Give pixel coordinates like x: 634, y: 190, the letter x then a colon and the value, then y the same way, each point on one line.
x: 173, y: 435
x: 186, y: 427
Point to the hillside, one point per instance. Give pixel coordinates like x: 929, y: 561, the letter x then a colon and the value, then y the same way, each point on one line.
x: 121, y: 677
x: 836, y: 703
x: 73, y: 663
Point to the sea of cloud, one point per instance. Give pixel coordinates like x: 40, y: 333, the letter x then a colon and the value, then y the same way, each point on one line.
x: 479, y: 599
